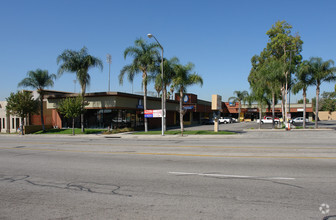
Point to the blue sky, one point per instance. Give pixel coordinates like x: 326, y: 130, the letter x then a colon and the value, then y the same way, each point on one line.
x: 219, y: 37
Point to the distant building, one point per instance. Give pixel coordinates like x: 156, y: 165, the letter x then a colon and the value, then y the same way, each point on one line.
x: 250, y: 113
x: 8, y: 123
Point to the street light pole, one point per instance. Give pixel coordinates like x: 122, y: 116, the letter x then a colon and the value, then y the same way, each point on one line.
x: 163, y: 98
x: 109, y: 60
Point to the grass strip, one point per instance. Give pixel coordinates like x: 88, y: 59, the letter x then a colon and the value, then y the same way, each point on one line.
x: 69, y: 131
x: 175, y: 132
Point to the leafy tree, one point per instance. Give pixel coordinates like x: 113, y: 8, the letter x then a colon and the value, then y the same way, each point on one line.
x: 71, y: 108
x: 39, y: 80
x: 303, y: 80
x: 284, y: 47
x: 265, y: 81
x: 271, y: 76
x: 182, y: 80
x: 258, y: 94
x: 22, y: 104
x: 328, y: 101
x: 300, y: 101
x: 145, y: 57
x: 240, y: 97
x: 79, y: 62
x: 323, y: 71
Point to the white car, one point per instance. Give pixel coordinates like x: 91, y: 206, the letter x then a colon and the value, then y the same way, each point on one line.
x: 268, y: 120
x: 298, y: 120
x: 224, y: 120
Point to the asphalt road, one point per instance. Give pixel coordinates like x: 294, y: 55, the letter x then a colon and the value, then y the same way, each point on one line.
x: 252, y: 175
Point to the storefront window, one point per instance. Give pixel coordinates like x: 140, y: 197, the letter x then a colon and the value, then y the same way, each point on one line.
x: 113, y: 118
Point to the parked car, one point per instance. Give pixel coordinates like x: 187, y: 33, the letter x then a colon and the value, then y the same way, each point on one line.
x: 225, y: 120
x: 234, y: 120
x: 268, y: 120
x: 297, y: 120
x: 207, y: 121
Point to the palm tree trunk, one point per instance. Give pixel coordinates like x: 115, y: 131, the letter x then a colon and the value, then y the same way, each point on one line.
x: 283, y: 105
x: 317, y: 104
x: 145, y: 99
x: 304, y: 108
x: 83, y: 102
x: 239, y: 110
x: 42, y: 119
x: 73, y: 126
x: 181, y: 111
x: 273, y: 106
x: 286, y: 101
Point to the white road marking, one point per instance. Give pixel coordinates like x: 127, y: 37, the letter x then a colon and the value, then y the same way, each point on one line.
x: 232, y: 176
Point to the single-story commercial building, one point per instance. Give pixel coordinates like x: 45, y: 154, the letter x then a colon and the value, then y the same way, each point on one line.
x: 196, y: 109
x: 114, y: 110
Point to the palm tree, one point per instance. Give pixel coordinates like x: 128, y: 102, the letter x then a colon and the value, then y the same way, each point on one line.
x: 145, y: 56
x: 172, y: 91
x: 158, y: 85
x: 79, y: 62
x: 302, y: 81
x: 240, y: 97
x: 169, y: 74
x: 182, y: 80
x: 323, y: 71
x: 39, y: 80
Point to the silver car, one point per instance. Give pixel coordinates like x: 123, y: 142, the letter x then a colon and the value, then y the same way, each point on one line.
x: 298, y: 120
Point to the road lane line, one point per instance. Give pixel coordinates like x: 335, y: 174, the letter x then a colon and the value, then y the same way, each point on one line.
x: 232, y: 176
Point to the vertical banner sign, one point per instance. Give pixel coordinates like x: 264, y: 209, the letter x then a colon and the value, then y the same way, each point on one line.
x: 216, y: 103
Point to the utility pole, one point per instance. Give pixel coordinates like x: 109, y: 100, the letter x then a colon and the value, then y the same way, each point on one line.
x: 109, y: 61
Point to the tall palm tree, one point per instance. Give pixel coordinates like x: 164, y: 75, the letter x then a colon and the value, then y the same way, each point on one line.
x: 158, y: 85
x: 169, y: 74
x: 240, y: 97
x: 79, y: 62
x: 323, y: 71
x: 302, y: 81
x: 39, y: 80
x: 182, y: 80
x: 145, y: 57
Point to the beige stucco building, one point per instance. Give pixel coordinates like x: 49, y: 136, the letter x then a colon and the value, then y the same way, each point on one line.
x: 8, y: 123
